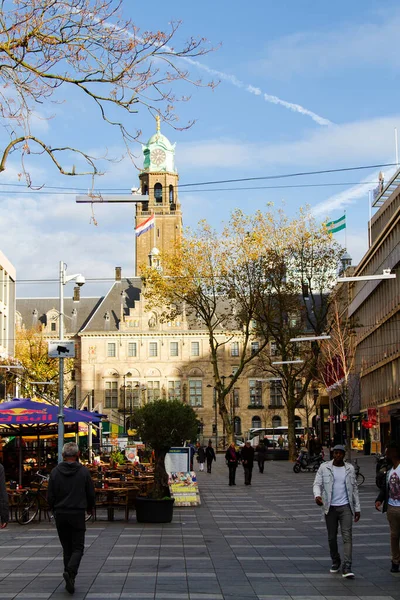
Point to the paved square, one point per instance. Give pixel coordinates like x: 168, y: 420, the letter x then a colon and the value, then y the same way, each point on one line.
x: 260, y: 542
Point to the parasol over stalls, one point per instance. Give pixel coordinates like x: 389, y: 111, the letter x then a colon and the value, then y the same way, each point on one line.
x: 23, y: 417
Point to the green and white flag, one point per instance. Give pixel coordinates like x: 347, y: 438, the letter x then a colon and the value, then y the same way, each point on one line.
x: 335, y: 226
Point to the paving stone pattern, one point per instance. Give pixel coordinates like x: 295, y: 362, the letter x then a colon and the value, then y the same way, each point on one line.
x: 260, y: 542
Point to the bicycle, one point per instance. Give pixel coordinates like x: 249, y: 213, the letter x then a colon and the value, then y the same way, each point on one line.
x: 32, y: 502
x: 359, y: 476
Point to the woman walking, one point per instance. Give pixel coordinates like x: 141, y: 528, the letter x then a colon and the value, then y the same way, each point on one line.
x: 210, y: 456
x: 232, y: 459
x: 201, y: 456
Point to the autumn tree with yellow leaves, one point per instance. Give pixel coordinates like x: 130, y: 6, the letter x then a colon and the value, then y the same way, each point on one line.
x: 52, y: 47
x: 31, y: 352
x: 251, y: 280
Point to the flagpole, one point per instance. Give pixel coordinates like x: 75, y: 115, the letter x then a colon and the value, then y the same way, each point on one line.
x: 345, y: 230
x: 370, y: 219
x: 155, y: 233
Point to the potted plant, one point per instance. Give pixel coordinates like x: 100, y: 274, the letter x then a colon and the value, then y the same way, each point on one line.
x: 117, y: 458
x: 161, y: 425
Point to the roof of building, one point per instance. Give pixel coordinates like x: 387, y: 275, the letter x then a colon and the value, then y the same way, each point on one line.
x: 120, y: 298
x: 35, y: 310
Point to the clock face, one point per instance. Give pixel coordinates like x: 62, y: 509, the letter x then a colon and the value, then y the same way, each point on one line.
x: 158, y: 157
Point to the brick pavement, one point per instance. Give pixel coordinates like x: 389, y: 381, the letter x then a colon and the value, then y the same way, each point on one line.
x: 264, y: 542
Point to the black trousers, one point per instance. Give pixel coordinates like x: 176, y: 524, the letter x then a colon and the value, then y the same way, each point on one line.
x: 261, y: 466
x: 209, y: 463
x: 248, y: 472
x: 71, y: 532
x: 232, y: 473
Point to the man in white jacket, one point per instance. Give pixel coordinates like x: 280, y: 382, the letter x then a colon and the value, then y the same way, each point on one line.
x: 335, y: 489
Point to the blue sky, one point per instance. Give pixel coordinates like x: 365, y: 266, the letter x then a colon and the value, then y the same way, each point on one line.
x: 336, y: 60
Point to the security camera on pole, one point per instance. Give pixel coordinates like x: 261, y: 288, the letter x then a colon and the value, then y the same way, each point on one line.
x: 63, y: 349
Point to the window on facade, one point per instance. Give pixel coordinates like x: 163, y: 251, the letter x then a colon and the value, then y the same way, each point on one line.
x: 297, y: 422
x: 132, y: 349
x: 235, y: 349
x: 171, y: 194
x: 153, y: 349
x: 237, y: 425
x: 236, y: 397
x: 195, y: 348
x: 158, y: 193
x: 275, y: 393
x: 174, y: 390
x: 298, y: 386
x: 132, y: 395
x: 111, y: 395
x: 153, y: 391
x: 255, y: 392
x: 255, y: 346
x: 174, y: 349
x: 195, y: 392
x: 276, y: 421
x: 256, y: 422
x: 53, y: 327
x: 273, y: 349
x: 111, y: 349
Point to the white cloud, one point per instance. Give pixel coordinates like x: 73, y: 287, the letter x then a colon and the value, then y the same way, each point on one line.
x: 357, y: 143
x: 351, y: 195
x: 315, y: 53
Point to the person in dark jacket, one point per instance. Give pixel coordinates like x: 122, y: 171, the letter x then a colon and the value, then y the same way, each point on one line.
x: 247, y: 456
x: 232, y: 459
x: 261, y: 450
x: 389, y: 495
x: 4, y: 514
x: 210, y: 456
x: 201, y: 456
x: 70, y: 494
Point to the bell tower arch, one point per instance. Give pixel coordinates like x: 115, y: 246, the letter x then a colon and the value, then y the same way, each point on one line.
x: 158, y: 181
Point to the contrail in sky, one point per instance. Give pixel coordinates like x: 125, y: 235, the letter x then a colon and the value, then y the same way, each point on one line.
x: 257, y: 92
x: 233, y: 80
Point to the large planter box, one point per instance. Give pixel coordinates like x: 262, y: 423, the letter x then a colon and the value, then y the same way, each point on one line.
x: 149, y: 510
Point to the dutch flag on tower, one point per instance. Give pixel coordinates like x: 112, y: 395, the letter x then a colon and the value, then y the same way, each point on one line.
x: 145, y: 226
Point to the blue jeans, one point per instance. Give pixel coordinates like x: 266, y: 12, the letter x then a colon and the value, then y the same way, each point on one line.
x: 340, y: 515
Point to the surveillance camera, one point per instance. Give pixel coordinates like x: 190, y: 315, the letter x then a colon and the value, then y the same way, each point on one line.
x: 80, y: 280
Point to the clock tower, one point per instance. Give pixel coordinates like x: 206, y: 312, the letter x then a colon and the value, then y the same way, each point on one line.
x: 159, y: 181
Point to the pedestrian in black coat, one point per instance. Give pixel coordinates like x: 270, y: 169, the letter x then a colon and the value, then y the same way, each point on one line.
x: 261, y: 450
x: 210, y: 456
x: 232, y: 460
x: 4, y: 513
x: 247, y: 455
x: 71, y: 494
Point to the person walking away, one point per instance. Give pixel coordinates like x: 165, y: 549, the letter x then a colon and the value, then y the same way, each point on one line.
x: 210, y: 456
x: 281, y: 442
x: 201, y: 456
x: 312, y: 446
x: 232, y: 459
x: 317, y: 446
x: 335, y: 489
x: 389, y: 495
x: 247, y: 462
x: 4, y: 511
x: 70, y: 494
x: 261, y: 450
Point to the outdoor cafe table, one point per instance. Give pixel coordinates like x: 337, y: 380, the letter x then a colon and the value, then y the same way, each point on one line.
x: 110, y: 493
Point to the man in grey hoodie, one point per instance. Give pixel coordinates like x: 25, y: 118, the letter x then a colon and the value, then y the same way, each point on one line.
x: 70, y: 494
x: 3, y: 499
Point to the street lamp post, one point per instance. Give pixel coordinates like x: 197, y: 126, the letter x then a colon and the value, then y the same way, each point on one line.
x: 64, y: 279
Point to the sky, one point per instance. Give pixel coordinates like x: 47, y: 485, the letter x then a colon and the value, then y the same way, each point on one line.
x: 304, y: 86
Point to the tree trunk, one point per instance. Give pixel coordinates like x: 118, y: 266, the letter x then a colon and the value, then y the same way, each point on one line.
x: 226, y: 418
x: 160, y: 488
x: 291, y: 405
